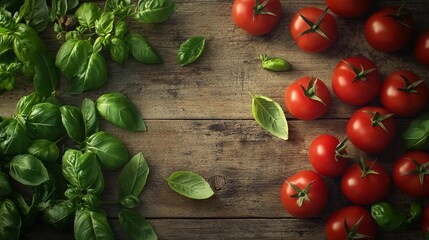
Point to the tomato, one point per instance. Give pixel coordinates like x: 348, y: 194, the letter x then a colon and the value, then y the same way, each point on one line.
x: 421, y: 48
x: 313, y: 29
x: 307, y: 98
x: 326, y: 155
x: 365, y: 182
x: 389, y: 29
x: 404, y: 93
x: 256, y: 17
x: 350, y: 222
x: 411, y: 174
x: 425, y: 221
x: 356, y: 80
x: 349, y: 9
x: 371, y: 129
x: 304, y: 194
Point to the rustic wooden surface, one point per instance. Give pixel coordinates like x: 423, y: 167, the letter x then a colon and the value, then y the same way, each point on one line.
x: 199, y: 119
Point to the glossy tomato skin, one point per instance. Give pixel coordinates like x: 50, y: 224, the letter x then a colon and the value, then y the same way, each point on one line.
x: 407, y: 182
x: 425, y: 221
x: 421, y: 48
x: 385, y: 33
x: 368, y: 189
x: 368, y: 138
x: 400, y: 102
x: 349, y: 9
x: 335, y: 229
x: 351, y: 88
x: 322, y: 155
x: 242, y: 14
x: 302, y: 106
x: 318, y: 194
x: 313, y: 42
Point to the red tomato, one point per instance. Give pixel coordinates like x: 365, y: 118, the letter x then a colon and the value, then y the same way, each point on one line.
x: 422, y: 48
x: 304, y: 194
x: 371, y: 129
x: 313, y: 29
x: 307, y: 98
x: 350, y: 222
x: 404, y: 93
x: 365, y: 182
x: 389, y: 29
x: 356, y: 80
x: 326, y: 155
x: 411, y: 174
x: 256, y: 17
x: 425, y: 222
x: 349, y: 9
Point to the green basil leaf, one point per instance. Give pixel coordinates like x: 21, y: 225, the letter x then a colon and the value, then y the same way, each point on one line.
x: 6, y: 44
x: 90, y: 117
x: 44, y: 121
x: 10, y: 220
x: 27, y: 44
x: 5, y: 187
x: 26, y: 103
x: 270, y: 116
x: 120, y: 111
x: 46, y: 76
x: 13, y: 137
x: 72, y: 57
x: 44, y: 150
x: 59, y: 213
x: 87, y: 14
x: 190, y: 185
x: 130, y: 201
x: 61, y: 7
x: 141, y: 50
x: 73, y: 122
x: 7, y: 80
x: 111, y: 151
x: 91, y: 201
x: 91, y: 225
x: 36, y: 14
x: 154, y: 11
x: 118, y: 50
x: 133, y: 176
x: 28, y: 170
x: 120, y: 8
x: 93, y: 76
x: 416, y: 136
x: 190, y: 50
x: 104, y: 25
x: 136, y: 226
x: 83, y: 171
x: 121, y: 29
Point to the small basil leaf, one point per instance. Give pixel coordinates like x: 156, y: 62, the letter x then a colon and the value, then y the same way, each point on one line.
x: 26, y: 103
x: 28, y: 170
x: 133, y: 176
x: 90, y: 117
x: 104, y: 25
x: 61, y: 7
x: 87, y: 14
x: 72, y: 57
x: 73, y: 122
x: 46, y: 76
x: 7, y: 80
x: 14, y: 138
x: 190, y: 50
x: 154, y: 11
x: 10, y: 224
x: 92, y: 77
x: 130, y: 201
x: 111, y: 151
x: 91, y: 225
x: 91, y: 201
x: 141, y: 50
x: 121, y: 29
x: 5, y: 187
x: 44, y: 121
x: 36, y: 14
x: 270, y: 116
x: 136, y: 226
x: 416, y: 136
x: 120, y: 111
x: 118, y: 50
x: 44, y: 150
x: 190, y: 185
x: 59, y: 213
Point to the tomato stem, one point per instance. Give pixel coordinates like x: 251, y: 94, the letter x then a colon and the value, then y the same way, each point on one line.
x: 377, y: 119
x: 421, y: 169
x: 314, y: 27
x: 259, y: 8
x: 352, y: 233
x: 366, y: 169
x: 310, y: 91
x: 301, y: 194
x: 360, y: 74
x: 340, y: 150
x: 410, y: 87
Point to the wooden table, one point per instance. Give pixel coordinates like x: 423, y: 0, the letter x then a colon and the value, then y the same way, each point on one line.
x: 199, y: 119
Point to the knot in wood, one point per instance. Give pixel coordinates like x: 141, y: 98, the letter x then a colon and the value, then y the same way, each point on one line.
x: 217, y: 182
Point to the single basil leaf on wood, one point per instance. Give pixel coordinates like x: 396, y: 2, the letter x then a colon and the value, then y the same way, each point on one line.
x: 136, y: 226
x: 72, y: 57
x: 5, y: 187
x: 73, y: 122
x: 13, y: 137
x: 154, y: 11
x: 87, y: 14
x: 416, y: 136
x: 190, y: 50
x: 120, y: 111
x: 141, y: 50
x: 10, y: 224
x: 90, y: 117
x: 28, y: 170
x: 44, y: 121
x: 91, y: 225
x: 118, y: 50
x: 190, y: 185
x: 270, y: 116
x: 104, y: 25
x: 110, y: 150
x: 59, y: 213
x: 44, y: 150
x: 133, y: 176
x: 93, y: 76
x: 26, y: 103
x: 46, y: 76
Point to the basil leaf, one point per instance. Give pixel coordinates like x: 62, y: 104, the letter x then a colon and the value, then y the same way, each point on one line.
x: 190, y: 50
x: 92, y: 77
x: 46, y: 76
x: 7, y: 79
x: 118, y: 50
x: 28, y: 170
x: 72, y: 57
x: 6, y: 44
x: 36, y: 14
x: 136, y: 226
x: 44, y: 150
x: 10, y: 220
x: 120, y: 111
x: 141, y: 50
x: 44, y: 121
x: 61, y: 7
x: 133, y: 176
x: 5, y: 187
x: 91, y: 201
x: 13, y: 137
x: 104, y: 25
x: 27, y: 44
x: 270, y: 116
x: 73, y: 122
x: 91, y: 225
x: 154, y: 11
x: 190, y: 185
x: 59, y: 214
x: 416, y: 136
x: 130, y: 201
x: 121, y: 29
x: 26, y: 103
x: 87, y: 14
x: 90, y: 117
x: 111, y: 151
x: 120, y: 8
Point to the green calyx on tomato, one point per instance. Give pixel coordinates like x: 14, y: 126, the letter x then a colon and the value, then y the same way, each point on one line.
x: 400, y: 16
x: 301, y: 194
x: 421, y: 169
x: 366, y: 169
x: 410, y: 87
x: 310, y: 91
x: 314, y: 27
x: 259, y: 8
x: 378, y: 118
x: 360, y: 74
x: 340, y: 150
x: 352, y: 232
